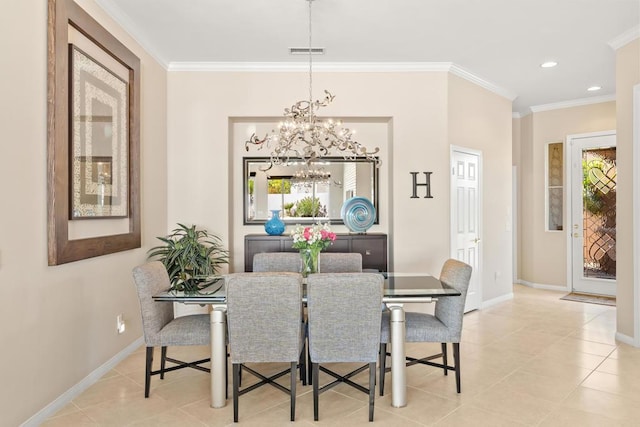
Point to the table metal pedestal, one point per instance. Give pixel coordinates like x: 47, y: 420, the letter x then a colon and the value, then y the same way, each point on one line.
x: 398, y: 364
x: 218, y: 357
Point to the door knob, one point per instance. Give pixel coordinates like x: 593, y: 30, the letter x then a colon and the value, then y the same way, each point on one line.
x: 476, y: 240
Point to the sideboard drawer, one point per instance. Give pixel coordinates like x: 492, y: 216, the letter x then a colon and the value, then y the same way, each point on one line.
x: 339, y: 245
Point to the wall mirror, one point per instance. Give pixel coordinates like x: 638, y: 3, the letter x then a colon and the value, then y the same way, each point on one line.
x: 306, y: 193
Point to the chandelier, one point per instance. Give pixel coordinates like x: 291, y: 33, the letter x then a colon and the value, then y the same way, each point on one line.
x: 302, y: 135
x: 307, y: 178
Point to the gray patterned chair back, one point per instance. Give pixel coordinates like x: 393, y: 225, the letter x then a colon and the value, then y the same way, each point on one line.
x: 277, y: 262
x: 344, y: 316
x: 264, y: 317
x: 450, y: 310
x: 335, y: 262
x: 151, y: 279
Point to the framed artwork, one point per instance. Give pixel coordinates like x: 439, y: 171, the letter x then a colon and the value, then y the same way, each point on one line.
x: 93, y: 99
x: 99, y: 139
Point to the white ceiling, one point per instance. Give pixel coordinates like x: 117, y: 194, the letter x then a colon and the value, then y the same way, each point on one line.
x: 500, y: 42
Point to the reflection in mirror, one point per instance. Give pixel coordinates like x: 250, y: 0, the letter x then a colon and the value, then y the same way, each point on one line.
x: 305, y: 194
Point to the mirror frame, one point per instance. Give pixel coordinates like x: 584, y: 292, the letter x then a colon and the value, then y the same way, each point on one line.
x: 304, y: 220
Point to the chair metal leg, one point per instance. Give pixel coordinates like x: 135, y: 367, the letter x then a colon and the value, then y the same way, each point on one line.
x: 372, y: 388
x: 302, y: 362
x: 456, y: 358
x: 315, y: 373
x: 444, y: 357
x: 147, y: 375
x: 178, y: 364
x: 294, y: 368
x: 309, y: 366
x: 383, y: 367
x: 236, y: 387
x: 163, y: 361
x: 226, y: 376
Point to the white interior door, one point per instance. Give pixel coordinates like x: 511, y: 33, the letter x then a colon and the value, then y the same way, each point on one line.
x: 593, y: 213
x: 465, y: 217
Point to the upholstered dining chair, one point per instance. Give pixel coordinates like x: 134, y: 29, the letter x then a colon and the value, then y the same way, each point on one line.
x: 159, y: 326
x: 277, y: 262
x: 344, y: 326
x: 337, y: 262
x: 330, y: 262
x: 264, y: 319
x: 280, y: 262
x: 444, y: 326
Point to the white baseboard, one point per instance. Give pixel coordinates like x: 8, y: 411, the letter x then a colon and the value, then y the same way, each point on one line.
x: 84, y: 384
x: 497, y: 300
x: 542, y: 286
x: 627, y: 340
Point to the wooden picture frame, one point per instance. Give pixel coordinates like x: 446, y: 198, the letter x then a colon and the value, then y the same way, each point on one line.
x: 68, y: 152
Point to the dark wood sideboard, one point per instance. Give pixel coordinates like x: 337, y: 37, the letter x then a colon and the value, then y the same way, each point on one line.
x: 372, y: 246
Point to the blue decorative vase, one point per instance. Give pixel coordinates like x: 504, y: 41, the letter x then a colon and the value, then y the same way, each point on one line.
x: 275, y: 226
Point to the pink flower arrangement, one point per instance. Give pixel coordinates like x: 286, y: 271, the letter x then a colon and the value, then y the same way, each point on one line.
x: 316, y: 237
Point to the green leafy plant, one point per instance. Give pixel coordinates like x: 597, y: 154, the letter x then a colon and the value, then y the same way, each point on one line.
x: 287, y: 208
x: 310, y: 207
x: 191, y: 256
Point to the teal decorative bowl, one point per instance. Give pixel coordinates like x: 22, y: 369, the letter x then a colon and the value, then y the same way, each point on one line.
x: 358, y: 214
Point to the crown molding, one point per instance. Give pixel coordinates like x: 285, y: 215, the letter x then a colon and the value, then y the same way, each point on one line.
x: 573, y: 103
x: 343, y: 67
x: 627, y: 37
x: 517, y: 115
x: 346, y: 67
x: 125, y: 22
x: 461, y: 72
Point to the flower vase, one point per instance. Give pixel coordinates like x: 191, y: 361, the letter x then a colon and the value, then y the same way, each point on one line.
x: 310, y: 261
x: 275, y: 226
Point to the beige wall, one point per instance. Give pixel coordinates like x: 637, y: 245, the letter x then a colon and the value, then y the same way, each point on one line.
x: 413, y: 110
x: 58, y: 323
x: 543, y: 254
x: 480, y: 120
x: 627, y: 76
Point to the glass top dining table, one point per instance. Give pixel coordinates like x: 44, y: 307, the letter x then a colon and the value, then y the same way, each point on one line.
x: 398, y: 289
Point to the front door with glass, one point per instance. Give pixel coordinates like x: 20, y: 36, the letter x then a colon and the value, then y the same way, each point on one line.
x: 593, y: 213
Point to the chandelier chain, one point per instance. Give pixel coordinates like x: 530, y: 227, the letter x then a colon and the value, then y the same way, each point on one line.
x: 310, y: 68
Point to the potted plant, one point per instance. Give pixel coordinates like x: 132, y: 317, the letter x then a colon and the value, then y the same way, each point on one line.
x: 191, y: 256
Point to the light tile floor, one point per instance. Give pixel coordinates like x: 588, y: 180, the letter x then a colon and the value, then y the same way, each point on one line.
x: 536, y: 360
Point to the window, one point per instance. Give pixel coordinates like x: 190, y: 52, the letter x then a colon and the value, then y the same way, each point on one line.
x: 554, y: 185
x: 295, y: 197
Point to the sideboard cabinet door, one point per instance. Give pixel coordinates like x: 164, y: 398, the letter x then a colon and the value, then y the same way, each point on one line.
x: 373, y: 250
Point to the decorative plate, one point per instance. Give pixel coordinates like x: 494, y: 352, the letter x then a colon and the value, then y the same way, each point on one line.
x: 358, y: 214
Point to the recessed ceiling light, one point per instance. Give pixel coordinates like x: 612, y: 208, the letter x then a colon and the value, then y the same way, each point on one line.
x: 549, y: 64
x: 594, y: 88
